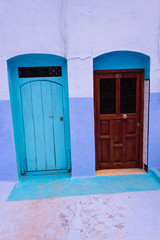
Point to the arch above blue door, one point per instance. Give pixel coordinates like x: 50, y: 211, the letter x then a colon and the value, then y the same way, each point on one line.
x: 40, y: 110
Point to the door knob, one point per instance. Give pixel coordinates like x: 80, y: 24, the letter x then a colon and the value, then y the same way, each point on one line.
x: 138, y: 124
x: 124, y: 116
x: 61, y: 118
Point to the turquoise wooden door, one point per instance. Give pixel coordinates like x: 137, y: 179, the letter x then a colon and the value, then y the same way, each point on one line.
x: 38, y: 86
x: 43, y: 122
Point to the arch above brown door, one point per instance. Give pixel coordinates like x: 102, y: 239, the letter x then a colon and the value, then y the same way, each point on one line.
x: 118, y: 110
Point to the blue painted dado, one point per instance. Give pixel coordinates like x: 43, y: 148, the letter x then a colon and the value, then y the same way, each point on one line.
x: 8, y: 166
x: 82, y: 136
x: 123, y: 60
x: 40, y: 113
x: 154, y: 131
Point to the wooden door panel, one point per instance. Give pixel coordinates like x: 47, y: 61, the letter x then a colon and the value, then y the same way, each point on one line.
x: 117, y: 131
x: 28, y: 124
x: 131, y: 126
x: 42, y: 107
x: 105, y: 151
x: 46, y: 88
x: 58, y: 123
x: 38, y: 125
x: 131, y: 150
x: 118, y: 154
x: 118, y: 137
x: 104, y: 127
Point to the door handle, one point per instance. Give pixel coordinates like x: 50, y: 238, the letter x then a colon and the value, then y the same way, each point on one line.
x: 138, y: 124
x: 61, y: 118
x: 125, y: 116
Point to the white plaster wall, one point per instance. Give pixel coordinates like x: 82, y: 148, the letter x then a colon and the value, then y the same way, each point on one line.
x: 80, y: 73
x: 96, y: 27
x: 80, y: 31
x: 28, y: 26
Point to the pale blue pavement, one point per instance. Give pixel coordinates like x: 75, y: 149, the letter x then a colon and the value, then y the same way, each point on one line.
x: 120, y: 216
x: 129, y: 215
x: 39, y: 187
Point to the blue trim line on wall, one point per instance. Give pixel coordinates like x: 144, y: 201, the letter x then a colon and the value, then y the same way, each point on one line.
x: 123, y: 60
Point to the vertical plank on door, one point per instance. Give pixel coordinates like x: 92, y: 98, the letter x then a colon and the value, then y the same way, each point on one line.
x: 28, y: 127
x: 57, y: 100
x: 39, y: 125
x: 48, y: 118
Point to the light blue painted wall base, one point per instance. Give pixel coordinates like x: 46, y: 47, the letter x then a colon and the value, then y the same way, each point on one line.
x: 154, y: 131
x: 82, y: 136
x: 8, y: 166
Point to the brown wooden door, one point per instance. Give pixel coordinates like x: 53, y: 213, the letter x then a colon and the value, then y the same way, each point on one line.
x: 118, y: 103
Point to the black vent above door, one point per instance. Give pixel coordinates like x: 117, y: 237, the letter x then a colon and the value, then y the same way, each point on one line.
x: 30, y: 72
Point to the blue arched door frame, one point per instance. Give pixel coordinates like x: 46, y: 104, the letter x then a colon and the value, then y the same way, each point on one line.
x: 123, y: 60
x: 33, y: 60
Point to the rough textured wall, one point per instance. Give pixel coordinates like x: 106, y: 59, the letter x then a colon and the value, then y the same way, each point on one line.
x: 28, y: 27
x: 96, y: 27
x: 80, y: 31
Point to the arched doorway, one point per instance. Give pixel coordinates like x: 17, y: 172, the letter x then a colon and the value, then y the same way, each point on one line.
x: 40, y: 111
x: 121, y: 98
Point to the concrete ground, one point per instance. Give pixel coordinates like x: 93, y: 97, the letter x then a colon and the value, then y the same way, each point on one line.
x: 119, y: 216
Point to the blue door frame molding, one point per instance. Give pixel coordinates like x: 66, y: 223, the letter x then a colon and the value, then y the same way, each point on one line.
x: 118, y: 60
x: 19, y: 108
x: 123, y: 60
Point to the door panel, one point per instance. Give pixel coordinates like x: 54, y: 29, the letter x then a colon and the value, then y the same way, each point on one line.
x: 104, y: 127
x: 48, y: 124
x: 117, y: 154
x: 42, y: 107
x: 29, y: 131
x: 105, y: 146
x: 118, y: 100
x: 57, y: 101
x: 37, y: 109
x: 117, y: 131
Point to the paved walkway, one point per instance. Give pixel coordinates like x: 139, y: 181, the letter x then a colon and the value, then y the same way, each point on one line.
x: 63, y: 185
x: 120, y: 216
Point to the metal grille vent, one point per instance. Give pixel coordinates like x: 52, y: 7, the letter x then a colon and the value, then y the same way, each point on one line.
x: 107, y: 95
x: 128, y: 95
x: 30, y: 72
